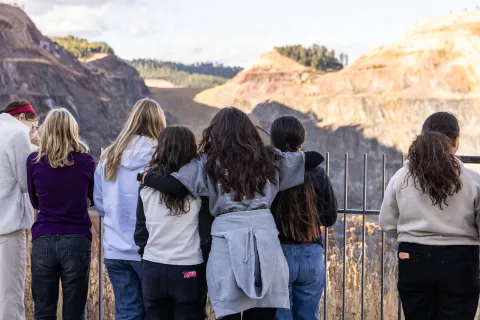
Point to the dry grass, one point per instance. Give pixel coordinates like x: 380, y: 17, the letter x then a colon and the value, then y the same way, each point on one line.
x: 334, y: 275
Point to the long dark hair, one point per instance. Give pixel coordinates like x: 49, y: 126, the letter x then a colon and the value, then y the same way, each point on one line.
x: 433, y: 166
x: 18, y: 104
x: 176, y: 147
x: 295, y: 209
x: 237, y: 158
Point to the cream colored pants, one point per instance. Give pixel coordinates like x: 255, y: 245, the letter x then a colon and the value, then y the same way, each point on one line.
x: 13, y: 261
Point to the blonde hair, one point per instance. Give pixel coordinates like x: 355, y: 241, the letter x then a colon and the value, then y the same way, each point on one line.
x: 146, y: 119
x: 59, y: 137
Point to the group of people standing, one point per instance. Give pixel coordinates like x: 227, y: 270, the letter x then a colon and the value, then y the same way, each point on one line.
x: 231, y: 216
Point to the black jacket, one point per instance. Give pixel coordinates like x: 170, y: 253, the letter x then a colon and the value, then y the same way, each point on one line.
x: 327, y: 208
x: 205, y: 221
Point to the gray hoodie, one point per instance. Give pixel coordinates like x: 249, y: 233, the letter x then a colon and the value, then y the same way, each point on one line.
x: 408, y: 214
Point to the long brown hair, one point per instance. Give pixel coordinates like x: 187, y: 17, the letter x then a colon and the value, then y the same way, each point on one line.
x: 295, y: 209
x: 176, y: 147
x: 237, y: 158
x: 432, y: 165
x: 146, y: 119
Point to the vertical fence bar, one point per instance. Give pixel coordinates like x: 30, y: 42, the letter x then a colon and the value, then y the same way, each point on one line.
x: 400, y: 301
x: 327, y: 169
x: 382, y: 263
x: 345, y: 200
x: 100, y: 269
x: 365, y: 162
x: 100, y: 266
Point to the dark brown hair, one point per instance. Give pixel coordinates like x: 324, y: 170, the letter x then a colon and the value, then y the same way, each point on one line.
x: 433, y: 166
x: 18, y: 104
x: 176, y: 147
x: 237, y: 158
x: 295, y: 209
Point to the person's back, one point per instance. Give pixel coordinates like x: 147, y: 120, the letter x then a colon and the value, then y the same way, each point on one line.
x: 61, y: 194
x: 169, y: 234
x: 432, y: 207
x: 60, y: 183
x: 246, y: 271
x: 116, y: 196
x: 172, y: 239
x: 14, y: 149
x: 116, y: 200
x: 299, y: 214
x: 420, y: 222
x: 17, y: 120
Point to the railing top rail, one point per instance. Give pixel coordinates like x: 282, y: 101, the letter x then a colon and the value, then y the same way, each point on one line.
x: 470, y: 159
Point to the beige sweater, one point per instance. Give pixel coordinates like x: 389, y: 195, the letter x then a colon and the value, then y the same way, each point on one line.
x: 409, y: 215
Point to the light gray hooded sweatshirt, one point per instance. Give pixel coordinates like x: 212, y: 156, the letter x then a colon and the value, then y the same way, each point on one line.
x: 116, y: 201
x: 246, y: 268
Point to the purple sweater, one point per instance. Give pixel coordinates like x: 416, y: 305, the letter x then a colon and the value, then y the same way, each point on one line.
x: 60, y: 195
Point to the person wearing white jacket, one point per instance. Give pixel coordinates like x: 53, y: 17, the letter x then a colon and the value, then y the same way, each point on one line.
x: 18, y: 122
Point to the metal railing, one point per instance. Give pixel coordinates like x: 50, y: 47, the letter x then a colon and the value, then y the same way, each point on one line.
x: 346, y: 211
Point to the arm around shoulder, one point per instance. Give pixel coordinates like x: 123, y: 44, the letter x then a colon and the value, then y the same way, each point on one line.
x: 141, y: 233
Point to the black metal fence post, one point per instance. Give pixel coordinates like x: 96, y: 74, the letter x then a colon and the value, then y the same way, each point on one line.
x: 345, y: 201
x: 325, y: 302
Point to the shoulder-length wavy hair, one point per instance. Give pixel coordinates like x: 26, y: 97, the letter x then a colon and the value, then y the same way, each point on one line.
x: 59, y: 137
x: 175, y: 148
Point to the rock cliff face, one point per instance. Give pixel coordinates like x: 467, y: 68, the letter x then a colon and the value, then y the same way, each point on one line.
x: 377, y: 104
x: 99, y: 93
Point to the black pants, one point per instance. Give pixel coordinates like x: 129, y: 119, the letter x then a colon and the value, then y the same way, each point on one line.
x: 65, y: 257
x: 254, y: 314
x: 174, y: 292
x: 438, y: 282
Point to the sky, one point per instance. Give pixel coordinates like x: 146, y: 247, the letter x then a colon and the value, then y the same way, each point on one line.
x: 234, y: 32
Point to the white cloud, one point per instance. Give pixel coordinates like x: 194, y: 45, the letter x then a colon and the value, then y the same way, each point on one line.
x: 92, y: 18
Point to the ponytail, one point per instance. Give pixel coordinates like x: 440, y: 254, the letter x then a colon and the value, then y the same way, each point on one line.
x: 433, y: 167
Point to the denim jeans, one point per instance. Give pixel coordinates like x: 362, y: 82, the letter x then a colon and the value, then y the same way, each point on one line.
x: 174, y: 291
x: 307, y: 279
x: 438, y: 282
x: 60, y: 257
x: 126, y: 279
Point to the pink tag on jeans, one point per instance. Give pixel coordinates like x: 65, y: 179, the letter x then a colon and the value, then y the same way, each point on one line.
x: 189, y: 274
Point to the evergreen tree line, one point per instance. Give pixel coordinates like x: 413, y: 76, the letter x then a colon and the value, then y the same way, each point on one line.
x: 205, y: 68
x: 82, y: 48
x: 316, y: 56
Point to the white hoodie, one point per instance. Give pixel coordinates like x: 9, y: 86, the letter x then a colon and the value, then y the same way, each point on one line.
x: 408, y: 214
x: 117, y: 201
x: 16, y: 212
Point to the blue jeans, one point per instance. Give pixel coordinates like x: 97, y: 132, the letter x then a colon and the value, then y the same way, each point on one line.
x: 64, y: 257
x: 307, y: 280
x: 126, y: 279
